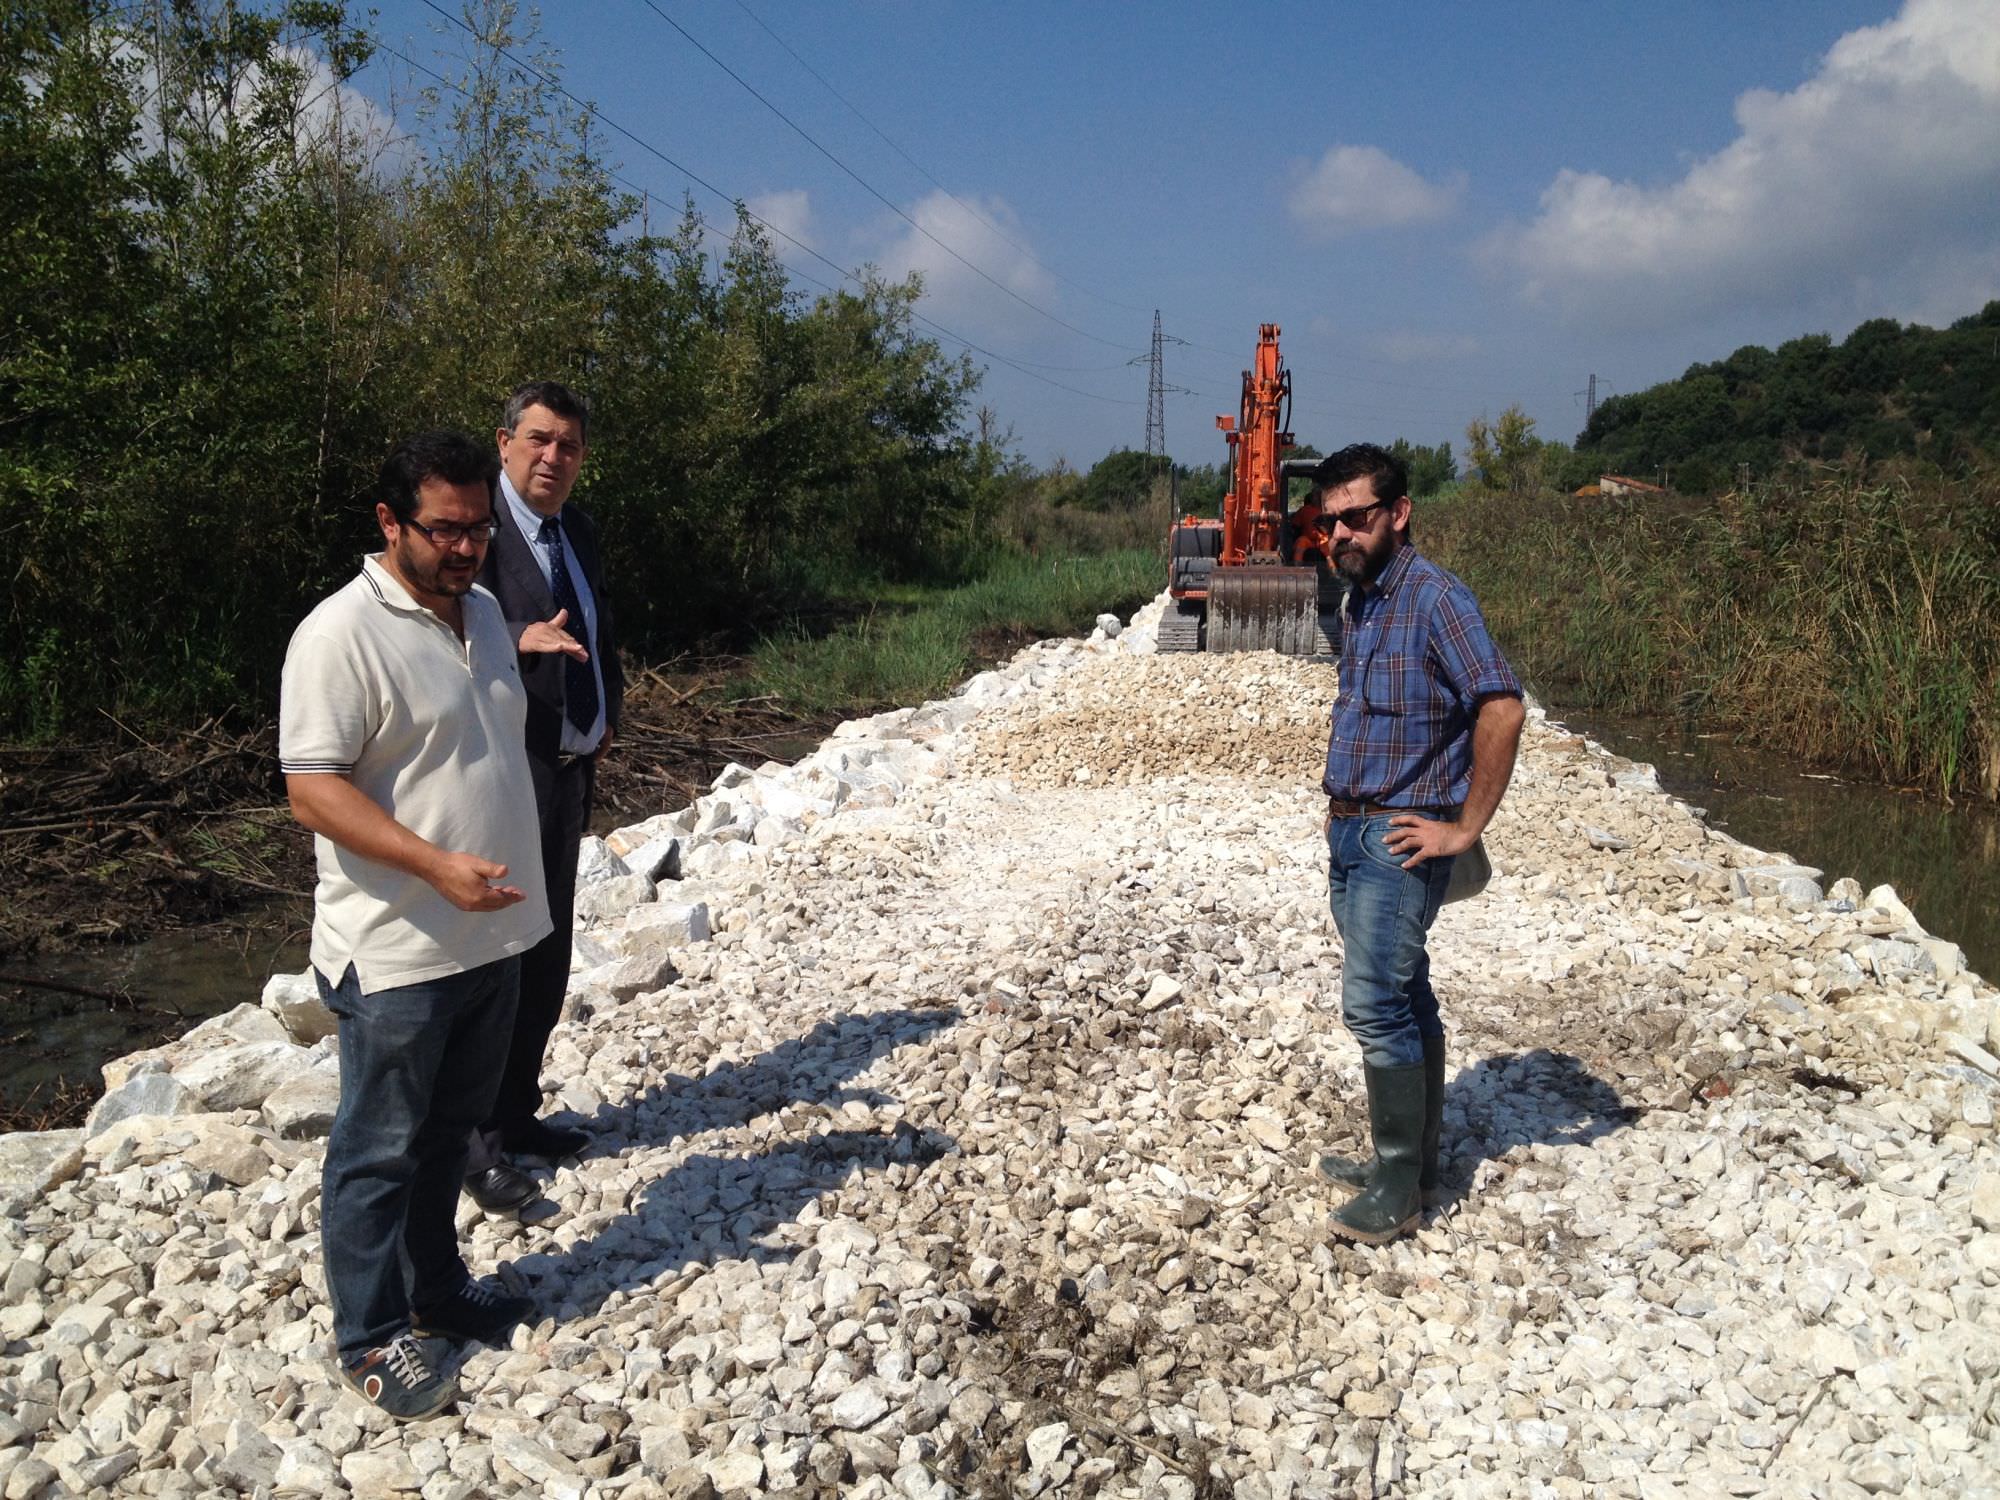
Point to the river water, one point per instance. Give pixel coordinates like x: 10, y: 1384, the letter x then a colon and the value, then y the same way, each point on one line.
x: 164, y: 984
x: 1944, y: 861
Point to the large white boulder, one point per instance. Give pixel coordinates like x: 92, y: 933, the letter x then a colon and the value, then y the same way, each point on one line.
x: 623, y: 841
x: 717, y: 815
x: 658, y: 858
x: 141, y: 1094
x: 32, y: 1162
x: 303, y: 1107
x: 595, y: 861
x: 244, y: 1076
x: 715, y: 857
x: 608, y: 900
x: 294, y: 1000
x: 246, y: 1023
x: 668, y: 924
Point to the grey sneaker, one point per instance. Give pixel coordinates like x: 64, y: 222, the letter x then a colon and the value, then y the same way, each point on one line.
x: 475, y: 1311
x: 400, y: 1379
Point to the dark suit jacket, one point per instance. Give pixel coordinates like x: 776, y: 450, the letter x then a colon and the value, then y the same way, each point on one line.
x: 515, y: 578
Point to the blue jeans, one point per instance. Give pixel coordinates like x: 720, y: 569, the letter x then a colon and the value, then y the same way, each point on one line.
x: 1384, y: 914
x: 418, y: 1068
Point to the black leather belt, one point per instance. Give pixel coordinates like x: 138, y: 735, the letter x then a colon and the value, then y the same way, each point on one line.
x: 566, y: 760
x: 1337, y: 807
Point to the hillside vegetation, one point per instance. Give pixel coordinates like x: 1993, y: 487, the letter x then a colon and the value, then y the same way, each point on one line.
x: 1887, y: 389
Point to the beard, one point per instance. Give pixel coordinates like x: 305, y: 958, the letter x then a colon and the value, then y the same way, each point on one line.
x: 449, y: 574
x: 1363, y: 564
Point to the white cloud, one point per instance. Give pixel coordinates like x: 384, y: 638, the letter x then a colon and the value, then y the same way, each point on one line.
x: 788, y: 212
x: 326, y: 110
x: 1362, y: 187
x: 985, y: 232
x: 1414, y: 347
x: 1872, y: 188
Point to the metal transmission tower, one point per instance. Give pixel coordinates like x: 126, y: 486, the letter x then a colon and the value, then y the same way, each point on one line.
x: 1156, y: 395
x: 1590, y: 402
x: 1156, y: 398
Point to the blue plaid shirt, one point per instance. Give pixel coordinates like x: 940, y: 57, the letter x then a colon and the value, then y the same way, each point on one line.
x: 1415, y: 659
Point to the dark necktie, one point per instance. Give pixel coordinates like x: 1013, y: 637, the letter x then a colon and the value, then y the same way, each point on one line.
x: 579, y: 677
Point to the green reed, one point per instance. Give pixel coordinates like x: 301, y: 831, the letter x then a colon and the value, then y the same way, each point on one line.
x: 1847, y: 616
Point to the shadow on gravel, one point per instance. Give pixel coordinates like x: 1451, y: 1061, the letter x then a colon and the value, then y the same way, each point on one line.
x: 812, y: 1068
x: 1538, y: 1098
x: 713, y: 1207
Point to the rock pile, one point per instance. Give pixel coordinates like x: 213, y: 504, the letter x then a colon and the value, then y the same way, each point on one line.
x: 953, y: 1098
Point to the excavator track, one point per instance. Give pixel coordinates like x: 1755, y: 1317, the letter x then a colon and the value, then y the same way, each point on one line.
x: 1181, y: 625
x: 1265, y: 609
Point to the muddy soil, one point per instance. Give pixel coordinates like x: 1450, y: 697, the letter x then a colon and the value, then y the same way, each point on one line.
x: 187, y: 836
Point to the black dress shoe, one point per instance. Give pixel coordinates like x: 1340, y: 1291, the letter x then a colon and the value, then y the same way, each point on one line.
x: 501, y: 1189
x: 539, y: 1138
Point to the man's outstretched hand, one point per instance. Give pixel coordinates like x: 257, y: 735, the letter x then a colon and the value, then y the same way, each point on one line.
x: 466, y: 881
x: 549, y: 635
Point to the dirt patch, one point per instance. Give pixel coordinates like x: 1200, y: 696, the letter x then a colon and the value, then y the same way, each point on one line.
x: 111, y: 841
x: 993, y: 644
x: 683, y: 724
x: 132, y: 838
x: 114, y: 841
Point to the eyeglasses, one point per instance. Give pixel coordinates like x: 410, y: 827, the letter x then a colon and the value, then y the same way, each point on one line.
x: 448, y: 535
x: 1358, y: 518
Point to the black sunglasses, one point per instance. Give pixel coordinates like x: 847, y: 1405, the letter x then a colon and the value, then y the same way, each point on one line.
x: 1356, y: 518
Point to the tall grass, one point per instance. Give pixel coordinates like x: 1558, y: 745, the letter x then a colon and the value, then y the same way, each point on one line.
x: 1842, y: 616
x: 918, y: 644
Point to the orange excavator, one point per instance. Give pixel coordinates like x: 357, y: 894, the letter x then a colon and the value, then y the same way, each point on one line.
x: 1232, y: 586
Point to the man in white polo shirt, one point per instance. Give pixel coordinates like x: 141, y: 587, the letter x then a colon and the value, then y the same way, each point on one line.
x: 400, y: 736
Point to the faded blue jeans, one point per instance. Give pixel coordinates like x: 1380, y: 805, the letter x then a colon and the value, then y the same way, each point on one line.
x: 419, y: 1065
x: 1384, y: 914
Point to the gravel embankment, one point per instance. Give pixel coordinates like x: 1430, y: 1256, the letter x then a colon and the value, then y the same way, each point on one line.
x: 969, y: 1153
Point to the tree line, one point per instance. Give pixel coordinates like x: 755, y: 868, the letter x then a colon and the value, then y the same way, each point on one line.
x: 1886, y: 390
x: 232, y: 287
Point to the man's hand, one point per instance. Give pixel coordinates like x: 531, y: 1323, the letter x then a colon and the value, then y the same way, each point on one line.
x: 335, y: 807
x: 466, y: 881
x: 603, y: 744
x: 1425, y: 838
x: 549, y: 635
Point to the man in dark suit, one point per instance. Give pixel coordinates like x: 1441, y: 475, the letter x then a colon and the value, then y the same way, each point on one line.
x: 545, y: 570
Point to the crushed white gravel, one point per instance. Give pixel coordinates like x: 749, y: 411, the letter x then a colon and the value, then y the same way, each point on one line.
x: 954, y: 1097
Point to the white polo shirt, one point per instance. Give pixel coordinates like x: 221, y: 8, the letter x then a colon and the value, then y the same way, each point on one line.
x: 379, y: 689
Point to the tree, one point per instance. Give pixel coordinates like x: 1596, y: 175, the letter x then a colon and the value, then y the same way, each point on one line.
x: 222, y: 311
x: 1120, y: 480
x: 1430, y: 469
x: 1506, y: 455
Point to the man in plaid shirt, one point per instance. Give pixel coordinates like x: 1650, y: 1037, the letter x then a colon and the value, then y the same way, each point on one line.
x: 1422, y: 745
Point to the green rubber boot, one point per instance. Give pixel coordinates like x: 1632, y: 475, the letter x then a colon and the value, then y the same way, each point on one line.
x: 1393, y: 1201
x: 1428, y: 1178
x: 1355, y: 1173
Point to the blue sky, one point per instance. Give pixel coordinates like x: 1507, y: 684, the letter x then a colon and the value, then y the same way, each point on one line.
x: 1448, y: 209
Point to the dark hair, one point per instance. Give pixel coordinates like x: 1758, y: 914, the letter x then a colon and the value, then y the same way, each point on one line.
x: 450, y: 456
x: 1386, y: 474
x: 558, y: 398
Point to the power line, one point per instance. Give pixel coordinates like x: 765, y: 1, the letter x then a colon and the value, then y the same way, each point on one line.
x: 1023, y: 367
x: 843, y: 272
x: 855, y: 110
x: 873, y: 191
